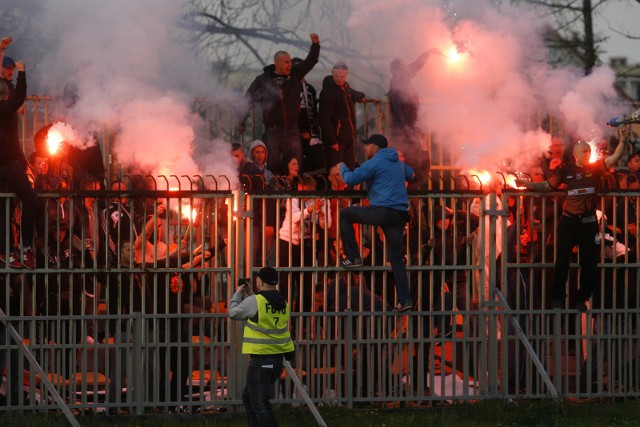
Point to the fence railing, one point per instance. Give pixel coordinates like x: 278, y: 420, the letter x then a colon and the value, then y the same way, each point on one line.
x: 114, y: 333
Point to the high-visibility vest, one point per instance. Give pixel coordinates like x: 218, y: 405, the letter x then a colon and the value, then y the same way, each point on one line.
x: 270, y: 335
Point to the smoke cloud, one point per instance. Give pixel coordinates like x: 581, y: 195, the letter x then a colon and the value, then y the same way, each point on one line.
x: 483, y: 97
x: 132, y: 72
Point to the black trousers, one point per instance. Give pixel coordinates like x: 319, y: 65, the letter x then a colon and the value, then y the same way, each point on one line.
x: 583, y: 231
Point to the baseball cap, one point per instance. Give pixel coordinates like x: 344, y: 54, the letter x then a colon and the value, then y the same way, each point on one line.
x: 7, y: 62
x: 268, y: 275
x: 376, y: 139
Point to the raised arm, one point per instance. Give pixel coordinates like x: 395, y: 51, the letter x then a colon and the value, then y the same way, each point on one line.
x: 149, y: 228
x: 623, y: 140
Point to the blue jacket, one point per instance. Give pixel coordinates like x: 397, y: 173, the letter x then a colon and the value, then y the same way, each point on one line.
x: 385, y: 176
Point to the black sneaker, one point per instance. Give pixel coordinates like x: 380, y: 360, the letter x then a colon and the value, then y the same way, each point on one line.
x: 402, y: 307
x: 351, y: 263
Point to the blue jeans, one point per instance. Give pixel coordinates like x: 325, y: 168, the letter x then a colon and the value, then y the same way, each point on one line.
x: 392, y: 222
x: 15, y: 179
x: 282, y: 142
x: 263, y: 371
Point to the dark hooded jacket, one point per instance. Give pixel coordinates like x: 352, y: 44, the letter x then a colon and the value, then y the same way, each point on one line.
x: 9, y: 134
x: 279, y: 96
x: 337, y: 113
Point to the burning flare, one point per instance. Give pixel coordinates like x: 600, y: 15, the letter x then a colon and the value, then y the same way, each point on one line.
x: 455, y: 58
x: 484, y: 176
x: 596, y: 154
x: 54, y: 141
x: 187, y: 211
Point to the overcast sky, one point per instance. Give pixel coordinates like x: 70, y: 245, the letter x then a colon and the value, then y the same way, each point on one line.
x: 625, y: 16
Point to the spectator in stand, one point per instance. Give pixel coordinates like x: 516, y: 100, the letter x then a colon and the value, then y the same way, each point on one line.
x: 314, y: 157
x: 169, y: 291
x: 124, y: 296
x: 347, y: 295
x: 337, y: 116
x: 90, y: 217
x: 578, y: 225
x: 300, y: 239
x: 385, y: 177
x: 124, y: 290
x: 336, y: 184
x: 42, y: 180
x: 9, y: 67
x: 252, y: 179
x: 290, y: 174
x: 615, y: 294
x: 632, y: 169
x: 447, y: 244
x: 87, y: 234
x: 278, y: 92
x: 62, y: 292
x: 518, y: 294
x: 259, y: 154
x: 117, y: 225
x: 13, y: 166
x: 404, y: 105
x: 556, y: 157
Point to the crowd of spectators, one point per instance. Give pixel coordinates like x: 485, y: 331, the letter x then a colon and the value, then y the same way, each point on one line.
x: 136, y: 255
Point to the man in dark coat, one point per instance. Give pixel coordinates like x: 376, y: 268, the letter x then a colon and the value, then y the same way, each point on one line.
x: 13, y: 166
x: 278, y: 92
x: 337, y: 116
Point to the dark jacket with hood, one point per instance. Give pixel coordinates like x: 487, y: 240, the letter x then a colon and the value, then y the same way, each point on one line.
x: 385, y: 176
x: 9, y: 134
x: 279, y: 96
x: 337, y: 113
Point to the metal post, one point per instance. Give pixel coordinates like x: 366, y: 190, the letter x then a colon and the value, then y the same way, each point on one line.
x: 43, y: 376
x: 305, y: 395
x: 138, y: 363
x: 490, y: 304
x: 239, y: 221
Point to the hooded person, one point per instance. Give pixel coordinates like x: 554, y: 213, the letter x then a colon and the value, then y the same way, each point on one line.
x: 259, y: 154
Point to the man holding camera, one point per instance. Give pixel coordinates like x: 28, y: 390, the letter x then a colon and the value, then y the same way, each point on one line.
x: 266, y: 340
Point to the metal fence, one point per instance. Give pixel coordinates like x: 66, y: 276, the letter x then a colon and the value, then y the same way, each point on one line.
x: 111, y: 333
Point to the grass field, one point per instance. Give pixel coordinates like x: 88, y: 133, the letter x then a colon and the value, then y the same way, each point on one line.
x: 486, y: 413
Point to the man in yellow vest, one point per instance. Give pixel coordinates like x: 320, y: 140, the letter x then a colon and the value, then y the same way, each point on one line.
x: 266, y: 340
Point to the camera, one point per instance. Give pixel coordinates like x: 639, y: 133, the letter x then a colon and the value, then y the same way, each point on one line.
x: 244, y: 281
